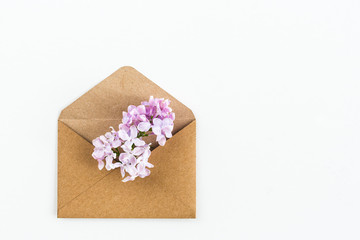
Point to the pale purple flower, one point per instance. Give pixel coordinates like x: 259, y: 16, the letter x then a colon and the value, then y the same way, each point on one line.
x: 127, y: 118
x: 142, y: 167
x: 134, y: 146
x: 109, y: 162
x: 128, y: 164
x: 126, y: 160
x: 113, y: 138
x: 158, y: 108
x: 135, y: 167
x: 134, y: 115
x: 125, y: 148
x: 130, y: 138
x: 101, y: 150
x: 102, y: 147
x: 162, y: 129
x: 128, y: 133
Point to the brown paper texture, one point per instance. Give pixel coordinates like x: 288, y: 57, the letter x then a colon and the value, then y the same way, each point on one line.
x: 86, y: 192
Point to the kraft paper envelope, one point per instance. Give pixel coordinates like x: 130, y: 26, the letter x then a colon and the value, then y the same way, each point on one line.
x: 86, y: 192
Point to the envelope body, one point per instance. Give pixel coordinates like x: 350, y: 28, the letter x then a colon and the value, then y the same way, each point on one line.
x: 86, y: 192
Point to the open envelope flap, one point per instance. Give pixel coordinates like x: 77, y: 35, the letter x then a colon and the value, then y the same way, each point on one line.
x: 101, y: 107
x: 169, y: 192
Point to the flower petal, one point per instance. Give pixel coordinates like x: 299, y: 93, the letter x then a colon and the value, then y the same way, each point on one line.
x: 123, y: 135
x: 128, y: 178
x: 156, y: 130
x: 141, y: 109
x: 167, y: 122
x: 137, y: 151
x: 157, y: 122
x: 116, y: 143
x: 133, y: 132
x: 122, y: 171
x: 103, y: 139
x: 142, y: 118
x: 124, y: 157
x: 100, y: 164
x: 149, y: 165
x: 108, y: 135
x: 138, y: 142
x: 98, y: 153
x: 132, y: 160
x: 131, y: 108
x: 127, y: 146
x: 144, y: 126
x: 123, y: 127
x: 116, y: 165
x: 131, y: 170
x: 146, y: 154
x: 109, y: 164
x: 161, y: 140
x: 97, y: 143
x: 167, y: 130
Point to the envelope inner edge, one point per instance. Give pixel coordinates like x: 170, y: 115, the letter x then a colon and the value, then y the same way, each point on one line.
x: 63, y: 120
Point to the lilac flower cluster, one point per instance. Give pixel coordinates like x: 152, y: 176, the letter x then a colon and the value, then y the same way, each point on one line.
x: 125, y: 148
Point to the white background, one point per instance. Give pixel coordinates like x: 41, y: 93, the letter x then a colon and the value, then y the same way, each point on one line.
x: 274, y: 86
